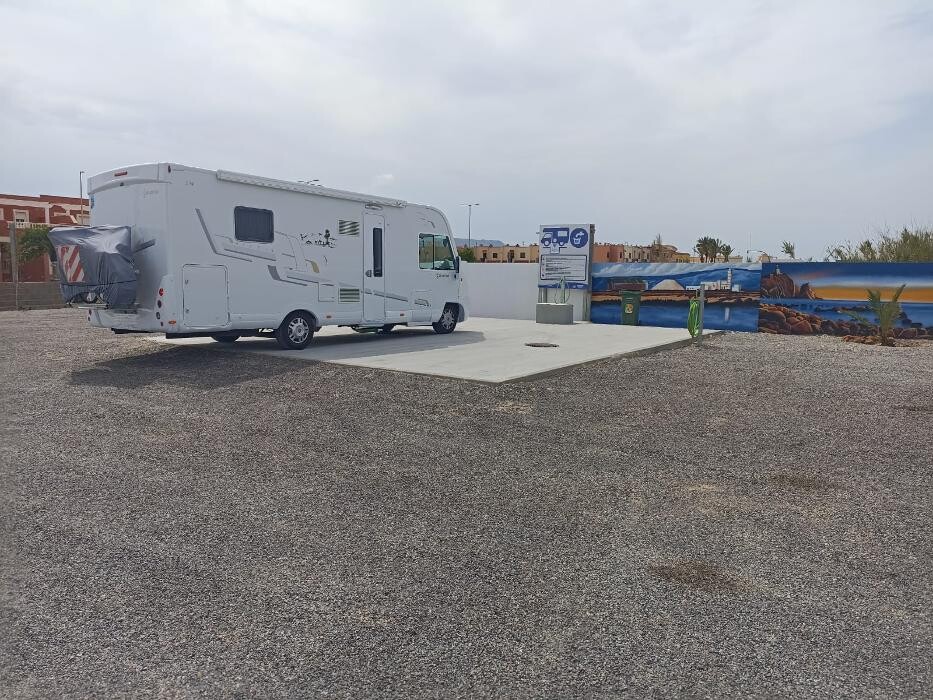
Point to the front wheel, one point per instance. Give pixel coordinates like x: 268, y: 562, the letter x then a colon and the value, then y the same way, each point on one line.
x: 296, y: 331
x: 447, y: 321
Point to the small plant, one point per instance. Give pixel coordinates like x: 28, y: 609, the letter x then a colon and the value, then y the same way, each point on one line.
x: 886, y: 311
x: 789, y: 249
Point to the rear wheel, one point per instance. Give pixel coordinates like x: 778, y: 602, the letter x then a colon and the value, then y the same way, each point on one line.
x: 447, y: 321
x: 296, y: 331
x: 387, y: 328
x: 225, y: 337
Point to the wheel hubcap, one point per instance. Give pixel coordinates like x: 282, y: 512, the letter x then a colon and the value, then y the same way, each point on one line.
x: 447, y: 320
x: 298, y: 330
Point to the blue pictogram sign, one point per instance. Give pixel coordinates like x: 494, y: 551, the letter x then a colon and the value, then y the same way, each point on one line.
x: 579, y: 237
x: 565, y: 256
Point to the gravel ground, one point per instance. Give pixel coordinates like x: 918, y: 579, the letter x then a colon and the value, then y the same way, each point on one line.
x: 751, y: 517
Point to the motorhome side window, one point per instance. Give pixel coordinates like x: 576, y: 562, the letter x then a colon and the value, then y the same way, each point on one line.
x: 434, y: 252
x: 253, y: 224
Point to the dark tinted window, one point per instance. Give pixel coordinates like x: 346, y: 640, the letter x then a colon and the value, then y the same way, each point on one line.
x: 377, y: 252
x: 253, y: 224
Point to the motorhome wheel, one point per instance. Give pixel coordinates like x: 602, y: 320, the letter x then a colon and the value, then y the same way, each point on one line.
x: 296, y: 331
x: 225, y: 337
x: 447, y: 322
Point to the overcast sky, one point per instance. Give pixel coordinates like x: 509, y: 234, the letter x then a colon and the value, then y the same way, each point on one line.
x: 803, y: 120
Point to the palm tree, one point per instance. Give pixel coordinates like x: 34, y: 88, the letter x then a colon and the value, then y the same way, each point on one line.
x: 699, y: 249
x: 886, y: 311
x: 725, y: 250
x: 714, y: 248
x: 707, y: 248
x: 789, y: 249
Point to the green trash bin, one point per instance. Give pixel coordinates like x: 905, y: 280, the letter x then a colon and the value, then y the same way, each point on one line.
x: 631, y: 303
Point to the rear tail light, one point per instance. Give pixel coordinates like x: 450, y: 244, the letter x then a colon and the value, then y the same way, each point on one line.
x: 161, y: 292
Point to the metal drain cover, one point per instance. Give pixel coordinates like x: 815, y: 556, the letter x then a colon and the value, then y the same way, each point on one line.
x: 542, y: 345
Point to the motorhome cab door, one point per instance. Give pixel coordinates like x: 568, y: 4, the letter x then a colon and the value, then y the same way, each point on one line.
x: 374, y: 285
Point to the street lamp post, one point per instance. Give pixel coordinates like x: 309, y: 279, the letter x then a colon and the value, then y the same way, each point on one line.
x: 81, y: 195
x: 470, y: 222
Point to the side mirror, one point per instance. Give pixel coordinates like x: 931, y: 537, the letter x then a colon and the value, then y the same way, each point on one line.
x: 457, y: 264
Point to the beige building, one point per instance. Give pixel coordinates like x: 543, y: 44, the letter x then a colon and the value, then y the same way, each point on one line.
x: 506, y: 253
x: 602, y: 252
x: 626, y: 252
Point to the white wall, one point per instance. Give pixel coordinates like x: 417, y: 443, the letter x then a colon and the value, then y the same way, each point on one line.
x: 508, y: 290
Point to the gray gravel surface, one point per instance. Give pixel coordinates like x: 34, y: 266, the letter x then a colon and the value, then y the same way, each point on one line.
x: 751, y: 517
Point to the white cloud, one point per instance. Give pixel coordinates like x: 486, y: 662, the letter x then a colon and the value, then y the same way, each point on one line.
x: 788, y: 119
x: 383, y: 181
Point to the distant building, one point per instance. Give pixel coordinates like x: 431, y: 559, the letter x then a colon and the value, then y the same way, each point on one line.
x: 26, y: 211
x: 732, y: 259
x: 506, y: 253
x: 626, y: 252
x: 474, y: 242
x: 609, y: 253
x: 602, y: 253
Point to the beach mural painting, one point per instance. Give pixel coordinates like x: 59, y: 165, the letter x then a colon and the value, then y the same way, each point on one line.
x: 732, y: 292
x: 809, y: 298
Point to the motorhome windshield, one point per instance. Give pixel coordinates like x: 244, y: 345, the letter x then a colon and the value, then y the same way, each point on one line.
x: 435, y: 252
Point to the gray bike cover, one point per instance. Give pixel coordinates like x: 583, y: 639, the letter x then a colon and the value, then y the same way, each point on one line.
x: 95, y: 260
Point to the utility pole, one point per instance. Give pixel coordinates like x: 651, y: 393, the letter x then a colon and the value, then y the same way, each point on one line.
x: 14, y: 265
x: 81, y: 194
x: 470, y: 222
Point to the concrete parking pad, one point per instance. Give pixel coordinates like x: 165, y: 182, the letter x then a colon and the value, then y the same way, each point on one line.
x: 481, y: 349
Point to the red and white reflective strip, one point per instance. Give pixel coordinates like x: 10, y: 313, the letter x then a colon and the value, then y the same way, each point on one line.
x: 70, y: 263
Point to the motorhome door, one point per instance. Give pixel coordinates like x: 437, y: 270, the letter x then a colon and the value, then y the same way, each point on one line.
x: 374, y: 285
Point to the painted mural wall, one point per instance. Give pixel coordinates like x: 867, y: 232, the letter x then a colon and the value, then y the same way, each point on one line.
x: 732, y: 293
x: 808, y: 298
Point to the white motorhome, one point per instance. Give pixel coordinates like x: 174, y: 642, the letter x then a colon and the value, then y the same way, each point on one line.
x: 226, y: 255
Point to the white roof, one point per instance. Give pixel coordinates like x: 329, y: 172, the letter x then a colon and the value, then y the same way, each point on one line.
x: 243, y: 178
